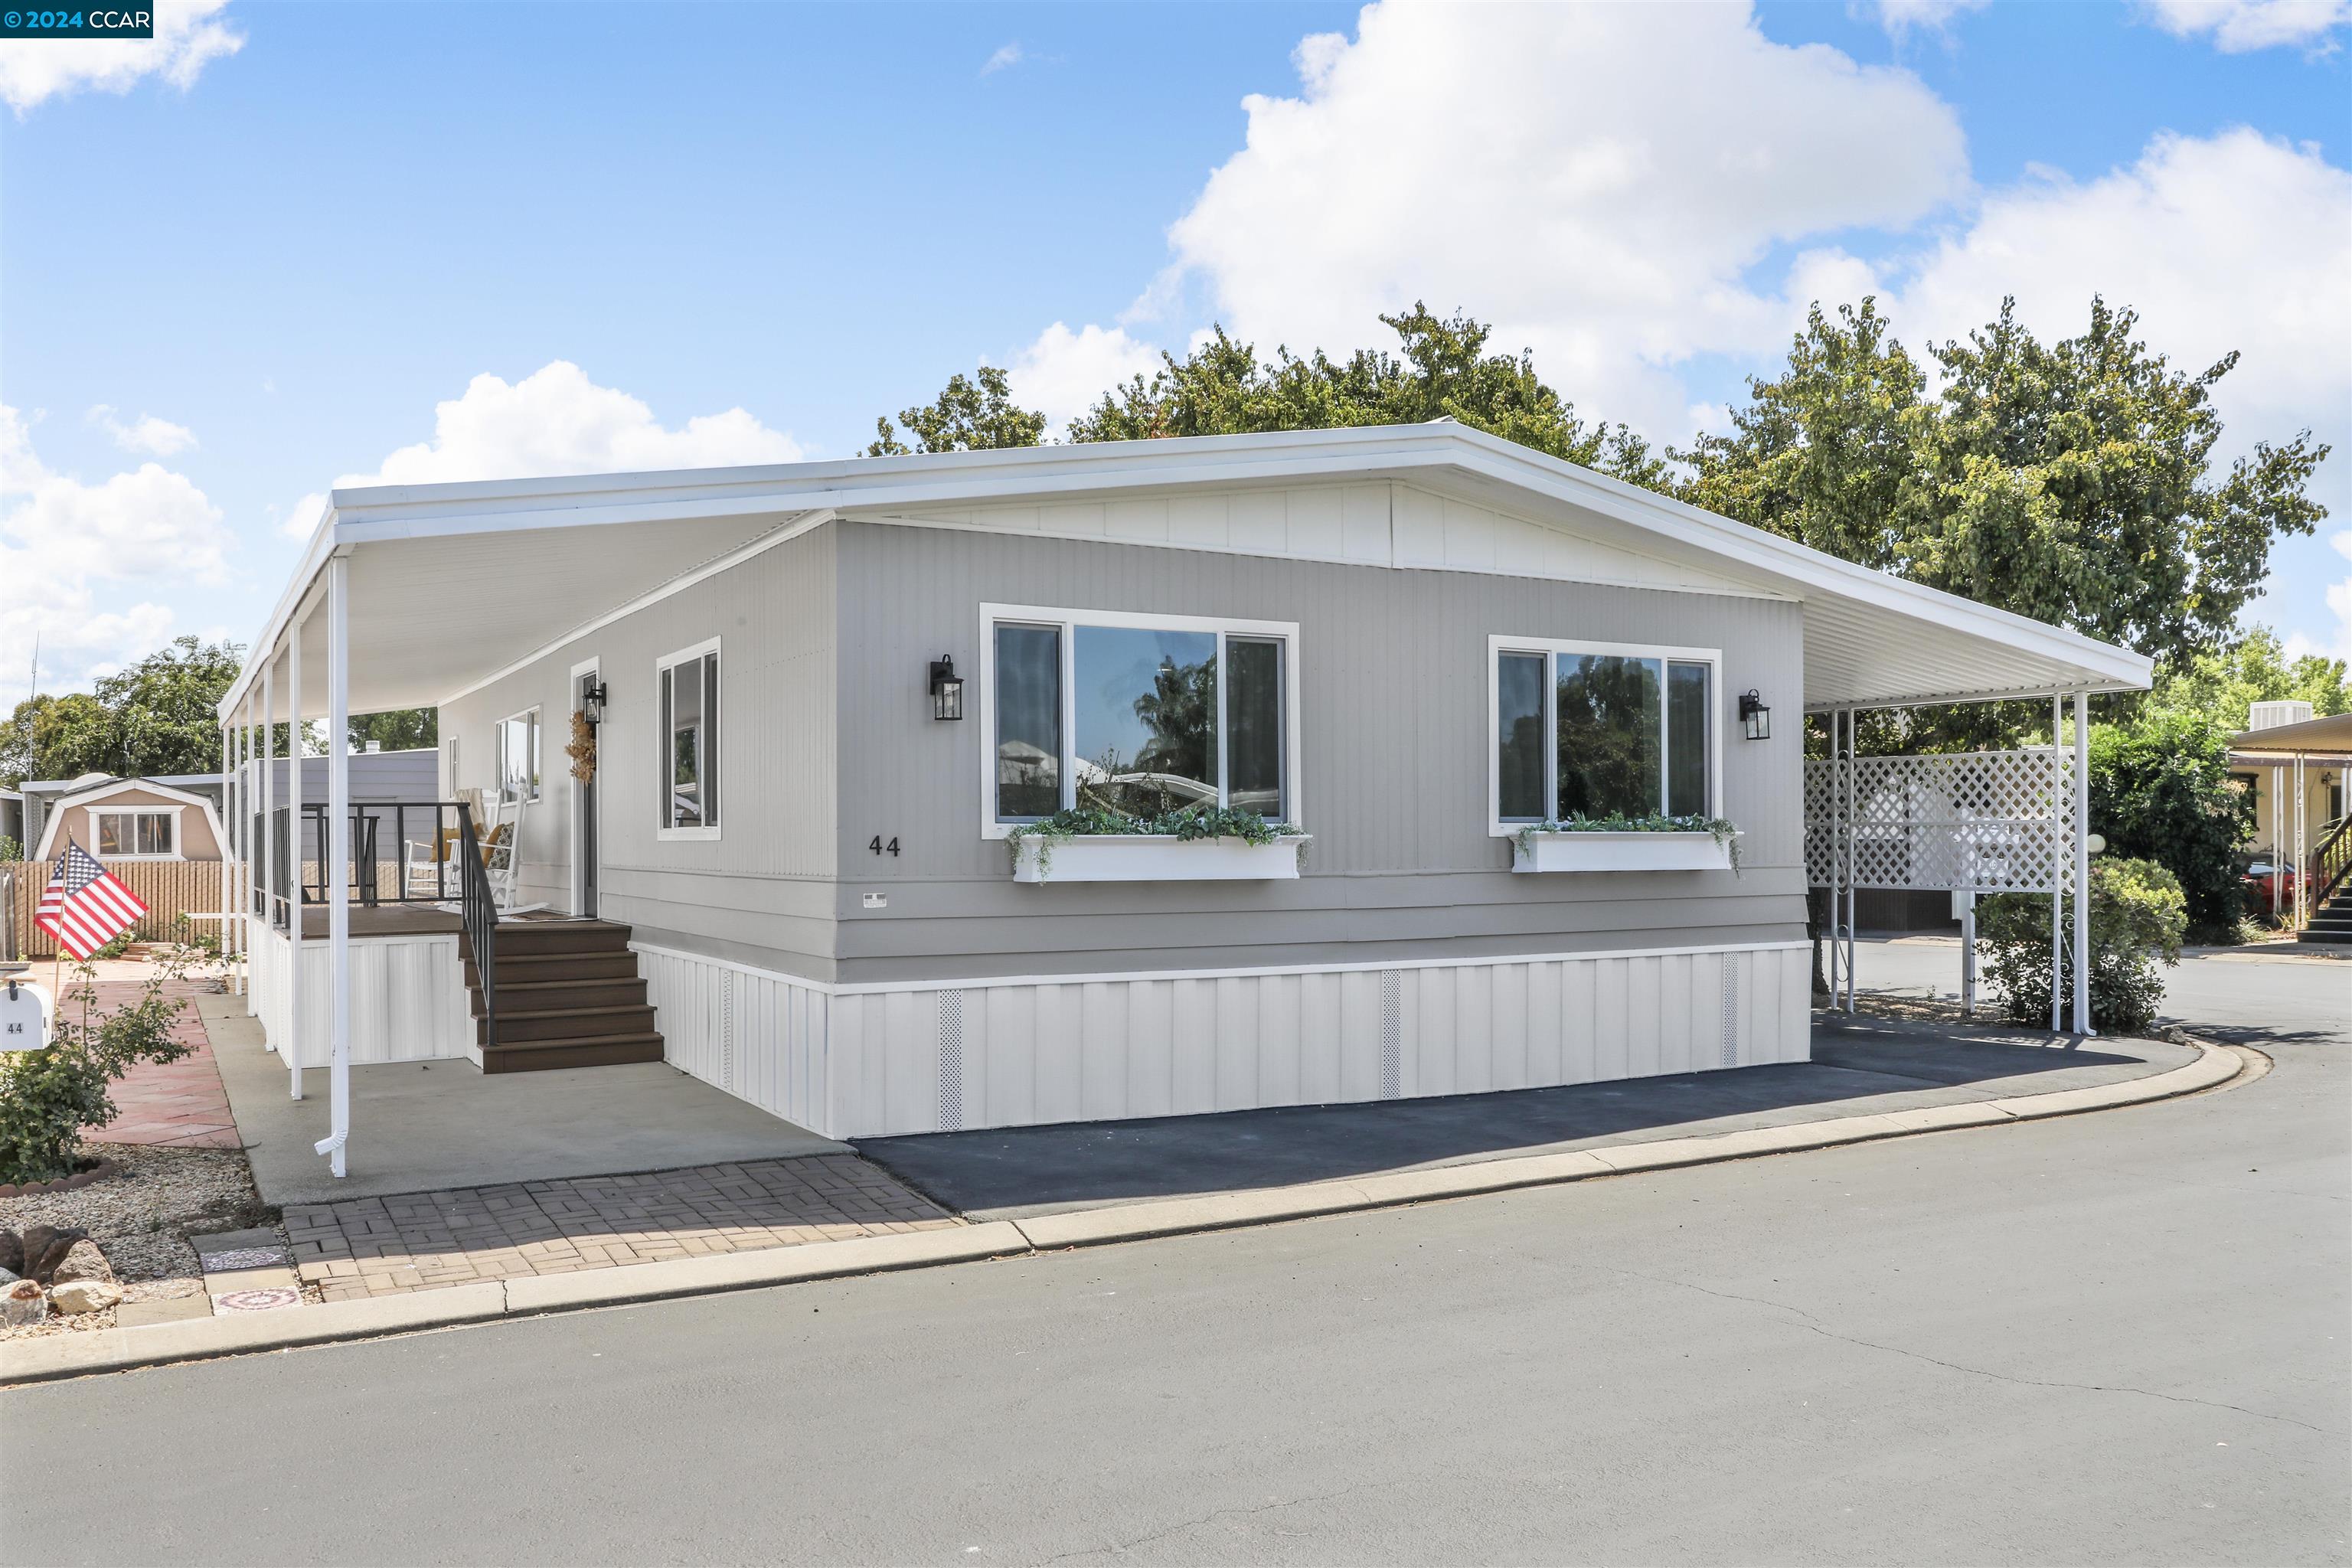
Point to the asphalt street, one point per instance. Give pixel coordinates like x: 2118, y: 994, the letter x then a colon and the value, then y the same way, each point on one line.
x: 2113, y: 1338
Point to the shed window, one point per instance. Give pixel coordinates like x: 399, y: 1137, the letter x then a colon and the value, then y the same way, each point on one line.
x: 1597, y: 730
x: 136, y: 835
x: 1140, y: 715
x: 689, y: 735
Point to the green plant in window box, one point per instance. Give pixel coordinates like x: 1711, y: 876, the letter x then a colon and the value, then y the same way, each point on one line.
x: 1724, y: 832
x: 1189, y: 823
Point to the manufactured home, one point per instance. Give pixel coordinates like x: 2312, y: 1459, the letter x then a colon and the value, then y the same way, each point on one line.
x: 768, y: 761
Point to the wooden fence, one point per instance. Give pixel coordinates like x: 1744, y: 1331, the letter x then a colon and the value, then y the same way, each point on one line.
x: 168, y: 888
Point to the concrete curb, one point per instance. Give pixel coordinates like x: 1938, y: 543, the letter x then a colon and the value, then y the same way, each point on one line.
x: 53, y: 1357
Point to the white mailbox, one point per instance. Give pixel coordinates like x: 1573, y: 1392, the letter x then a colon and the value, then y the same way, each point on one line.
x: 24, y: 1016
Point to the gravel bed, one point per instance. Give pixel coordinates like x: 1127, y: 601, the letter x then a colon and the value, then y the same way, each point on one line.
x: 142, y: 1218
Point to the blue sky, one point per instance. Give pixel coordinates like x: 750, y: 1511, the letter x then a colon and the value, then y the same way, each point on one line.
x: 280, y: 246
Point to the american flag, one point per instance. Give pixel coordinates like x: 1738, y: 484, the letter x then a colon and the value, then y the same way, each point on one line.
x: 83, y: 906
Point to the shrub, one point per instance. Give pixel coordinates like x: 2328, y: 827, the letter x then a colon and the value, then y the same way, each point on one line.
x: 48, y: 1097
x: 2137, y: 919
x: 2160, y: 790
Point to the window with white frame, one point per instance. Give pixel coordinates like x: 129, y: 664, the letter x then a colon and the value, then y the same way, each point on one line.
x: 1138, y: 714
x: 688, y: 682
x: 1602, y: 730
x: 136, y: 835
x: 519, y: 756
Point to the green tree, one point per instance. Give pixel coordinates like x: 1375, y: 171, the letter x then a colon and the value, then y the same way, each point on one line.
x: 2224, y: 684
x: 403, y: 730
x: 1443, y: 371
x: 2073, y: 482
x: 968, y: 416
x: 2161, y: 791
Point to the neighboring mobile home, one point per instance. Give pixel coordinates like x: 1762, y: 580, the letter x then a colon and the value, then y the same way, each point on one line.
x: 829, y: 698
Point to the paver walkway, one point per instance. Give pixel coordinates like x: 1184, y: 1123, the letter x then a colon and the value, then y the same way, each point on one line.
x: 178, y: 1104
x: 376, y: 1247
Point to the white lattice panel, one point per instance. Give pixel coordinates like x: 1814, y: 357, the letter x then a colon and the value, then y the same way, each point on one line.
x: 1988, y: 821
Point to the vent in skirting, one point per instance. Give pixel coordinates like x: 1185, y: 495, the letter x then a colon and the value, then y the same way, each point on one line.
x: 951, y: 1060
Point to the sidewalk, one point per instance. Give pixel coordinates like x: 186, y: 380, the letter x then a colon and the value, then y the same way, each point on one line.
x: 179, y: 1104
x: 377, y: 1246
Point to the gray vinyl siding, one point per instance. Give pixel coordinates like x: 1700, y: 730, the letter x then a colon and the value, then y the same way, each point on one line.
x: 762, y: 891
x: 1391, y: 783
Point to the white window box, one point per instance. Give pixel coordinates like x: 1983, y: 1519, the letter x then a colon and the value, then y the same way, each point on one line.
x: 1622, y: 852
x: 1156, y: 858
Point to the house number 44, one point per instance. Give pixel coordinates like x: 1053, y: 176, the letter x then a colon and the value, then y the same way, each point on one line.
x: 881, y: 848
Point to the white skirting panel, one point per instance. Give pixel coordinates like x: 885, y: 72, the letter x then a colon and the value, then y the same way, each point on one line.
x: 408, y: 999
x: 757, y: 1035
x: 942, y: 1056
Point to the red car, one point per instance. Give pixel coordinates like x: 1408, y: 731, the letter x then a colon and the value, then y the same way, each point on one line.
x: 2261, y: 881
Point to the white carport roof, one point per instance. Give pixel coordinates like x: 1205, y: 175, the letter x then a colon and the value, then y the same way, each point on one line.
x: 454, y: 583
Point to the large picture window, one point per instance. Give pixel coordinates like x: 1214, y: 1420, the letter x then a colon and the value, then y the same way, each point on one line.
x: 1137, y: 715
x: 687, y: 697
x: 1601, y: 730
x: 518, y: 756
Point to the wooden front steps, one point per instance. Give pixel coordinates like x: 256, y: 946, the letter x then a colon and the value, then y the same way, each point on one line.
x: 569, y: 997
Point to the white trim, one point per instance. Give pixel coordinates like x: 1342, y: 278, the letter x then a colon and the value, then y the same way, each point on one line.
x: 59, y: 807
x: 713, y: 706
x: 538, y: 748
x: 1354, y: 966
x: 170, y: 813
x: 782, y: 534
x: 1499, y: 826
x: 1068, y: 620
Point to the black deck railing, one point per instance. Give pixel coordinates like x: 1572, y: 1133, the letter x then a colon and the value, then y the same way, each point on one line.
x: 423, y: 865
x: 2331, y: 862
x: 479, y: 911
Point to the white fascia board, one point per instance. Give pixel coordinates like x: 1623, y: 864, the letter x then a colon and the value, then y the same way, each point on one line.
x: 948, y: 479
x: 1508, y: 463
x: 325, y: 543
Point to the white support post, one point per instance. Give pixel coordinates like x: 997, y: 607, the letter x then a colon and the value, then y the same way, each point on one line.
x: 2083, y: 1020
x: 293, y: 1051
x: 2278, y: 798
x: 339, y: 854
x: 1853, y: 851
x: 2057, y: 867
x: 227, y: 850
x: 245, y: 845
x: 269, y: 823
x: 2302, y: 845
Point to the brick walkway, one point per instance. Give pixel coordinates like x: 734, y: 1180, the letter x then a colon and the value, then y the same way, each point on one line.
x: 376, y: 1247
x: 180, y: 1104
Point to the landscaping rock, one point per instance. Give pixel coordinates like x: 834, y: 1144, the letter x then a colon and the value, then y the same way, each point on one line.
x: 42, y: 1248
x: 83, y: 1261
x: 84, y: 1296
x: 23, y: 1303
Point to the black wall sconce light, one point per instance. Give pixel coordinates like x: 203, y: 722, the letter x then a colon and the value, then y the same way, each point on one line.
x: 947, y: 689
x: 1755, y: 718
x: 591, y: 698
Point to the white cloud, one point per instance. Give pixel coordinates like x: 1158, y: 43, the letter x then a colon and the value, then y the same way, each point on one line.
x: 1534, y: 165
x: 63, y: 541
x: 189, y: 34
x: 554, y: 421
x: 2237, y: 27
x: 1901, y: 19
x: 147, y: 434
x: 1063, y: 373
x: 1007, y: 56
x: 2234, y: 241
x: 2339, y: 600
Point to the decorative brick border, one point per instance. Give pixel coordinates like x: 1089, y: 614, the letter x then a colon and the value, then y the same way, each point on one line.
x: 97, y: 1172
